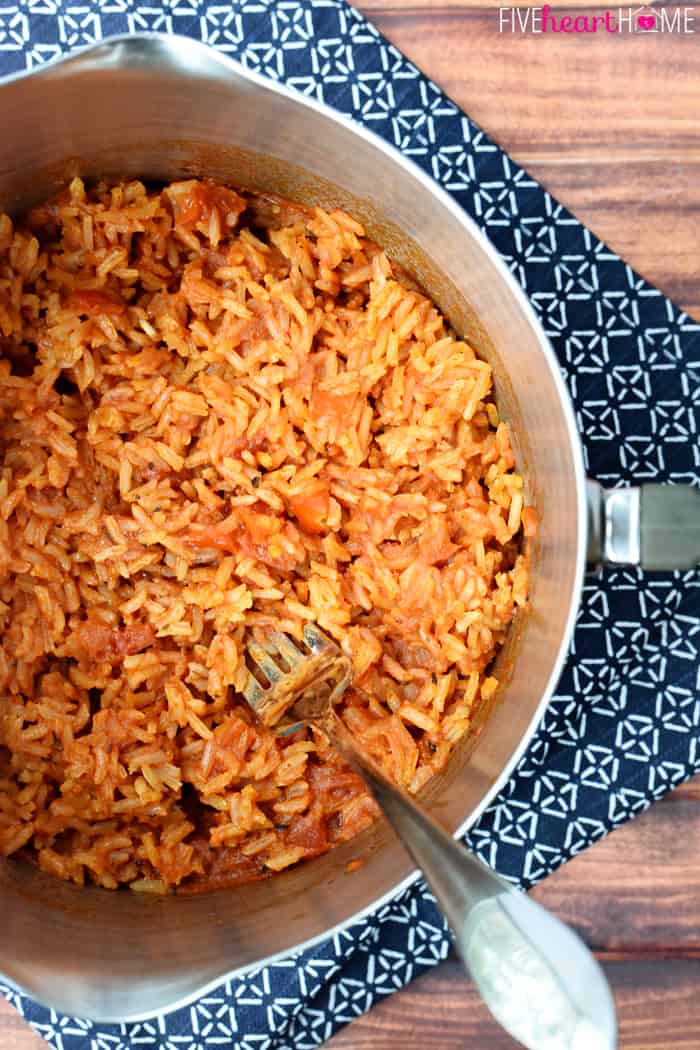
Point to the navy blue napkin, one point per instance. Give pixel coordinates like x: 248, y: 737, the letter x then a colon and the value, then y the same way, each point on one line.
x: 624, y: 726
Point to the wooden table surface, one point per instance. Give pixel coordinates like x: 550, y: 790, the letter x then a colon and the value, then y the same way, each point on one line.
x: 610, y: 125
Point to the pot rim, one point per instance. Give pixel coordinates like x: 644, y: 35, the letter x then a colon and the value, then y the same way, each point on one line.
x: 187, y: 57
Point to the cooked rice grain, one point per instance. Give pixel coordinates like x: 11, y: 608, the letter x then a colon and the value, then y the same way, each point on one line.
x: 222, y: 413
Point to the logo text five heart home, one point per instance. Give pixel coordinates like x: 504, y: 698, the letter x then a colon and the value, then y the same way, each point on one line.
x: 646, y: 20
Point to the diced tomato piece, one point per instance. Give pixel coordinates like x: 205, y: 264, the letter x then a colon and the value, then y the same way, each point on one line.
x: 311, y: 507
x: 254, y: 534
x: 225, y: 866
x: 260, y: 525
x: 435, y: 545
x: 95, y: 303
x: 234, y: 735
x: 308, y: 831
x: 200, y: 200
x: 334, y: 784
x: 99, y: 641
x: 331, y: 405
x: 219, y: 537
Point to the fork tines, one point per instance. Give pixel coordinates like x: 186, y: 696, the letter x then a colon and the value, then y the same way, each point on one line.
x: 284, y: 672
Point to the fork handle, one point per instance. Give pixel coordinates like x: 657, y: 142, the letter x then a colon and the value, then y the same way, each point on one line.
x: 535, y: 974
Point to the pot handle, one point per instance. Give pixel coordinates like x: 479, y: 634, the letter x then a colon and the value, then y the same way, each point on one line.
x: 653, y: 526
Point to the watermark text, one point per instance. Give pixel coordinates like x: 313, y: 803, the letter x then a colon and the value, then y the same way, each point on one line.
x: 615, y: 20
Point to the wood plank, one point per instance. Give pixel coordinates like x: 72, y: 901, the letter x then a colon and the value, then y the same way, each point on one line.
x: 657, y: 1003
x: 689, y: 790
x: 638, y: 890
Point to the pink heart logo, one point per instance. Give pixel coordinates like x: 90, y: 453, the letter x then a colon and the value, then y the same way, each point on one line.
x: 646, y: 21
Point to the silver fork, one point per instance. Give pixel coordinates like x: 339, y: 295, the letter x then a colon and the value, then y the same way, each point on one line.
x: 536, y: 975
x: 309, y: 676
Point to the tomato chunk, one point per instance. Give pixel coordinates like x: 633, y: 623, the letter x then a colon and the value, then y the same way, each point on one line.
x: 311, y: 507
x: 331, y: 406
x: 201, y: 198
x: 95, y: 303
x: 99, y: 641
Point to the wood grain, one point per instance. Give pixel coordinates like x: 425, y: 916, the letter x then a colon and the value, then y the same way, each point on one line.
x: 689, y: 790
x: 657, y: 1003
x: 636, y: 893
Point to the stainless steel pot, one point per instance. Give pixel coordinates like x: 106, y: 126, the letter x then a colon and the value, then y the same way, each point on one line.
x: 165, y: 107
